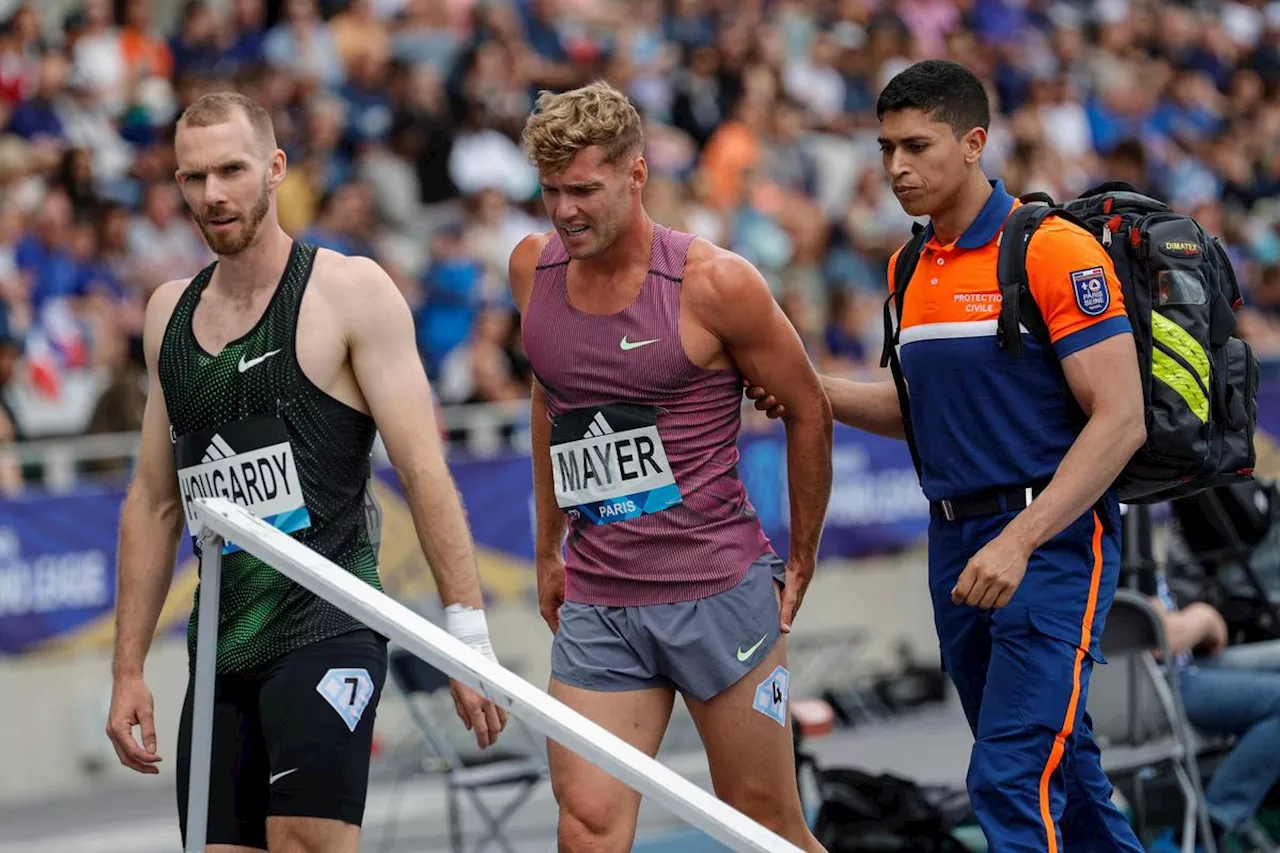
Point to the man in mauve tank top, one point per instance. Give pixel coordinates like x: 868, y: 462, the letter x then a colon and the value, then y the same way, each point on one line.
x: 654, y: 573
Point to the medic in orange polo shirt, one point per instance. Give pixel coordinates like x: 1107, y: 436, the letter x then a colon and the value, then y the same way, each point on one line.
x: 1017, y: 456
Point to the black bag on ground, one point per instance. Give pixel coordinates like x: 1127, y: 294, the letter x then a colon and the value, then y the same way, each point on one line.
x: 862, y: 813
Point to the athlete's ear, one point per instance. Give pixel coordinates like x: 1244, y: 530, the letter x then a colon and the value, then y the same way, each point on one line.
x: 639, y: 174
x: 276, y: 167
x: 972, y: 144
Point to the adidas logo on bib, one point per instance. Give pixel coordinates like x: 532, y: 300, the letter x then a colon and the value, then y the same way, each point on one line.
x: 218, y: 449
x: 599, y: 426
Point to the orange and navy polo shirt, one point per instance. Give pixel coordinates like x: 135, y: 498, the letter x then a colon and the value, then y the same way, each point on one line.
x: 983, y: 418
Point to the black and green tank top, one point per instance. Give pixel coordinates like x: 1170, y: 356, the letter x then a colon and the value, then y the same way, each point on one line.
x: 248, y: 425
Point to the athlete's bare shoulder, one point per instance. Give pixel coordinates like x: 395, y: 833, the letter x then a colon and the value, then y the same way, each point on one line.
x: 352, y: 282
x: 355, y: 295
x: 342, y: 275
x: 717, y: 281
x: 165, y: 297
x: 522, y: 265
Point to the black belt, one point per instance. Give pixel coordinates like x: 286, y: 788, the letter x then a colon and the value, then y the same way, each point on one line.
x: 1002, y: 500
x: 986, y: 503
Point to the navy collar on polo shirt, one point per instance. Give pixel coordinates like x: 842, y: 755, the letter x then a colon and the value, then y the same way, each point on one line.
x: 988, y: 222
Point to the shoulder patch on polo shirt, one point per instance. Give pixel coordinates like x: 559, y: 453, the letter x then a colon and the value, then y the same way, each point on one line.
x: 1093, y: 297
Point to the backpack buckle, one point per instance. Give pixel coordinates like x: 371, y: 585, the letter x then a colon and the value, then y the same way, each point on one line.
x: 948, y: 511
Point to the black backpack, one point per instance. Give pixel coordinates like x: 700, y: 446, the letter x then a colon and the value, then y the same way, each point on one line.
x: 865, y: 813
x: 1199, y: 381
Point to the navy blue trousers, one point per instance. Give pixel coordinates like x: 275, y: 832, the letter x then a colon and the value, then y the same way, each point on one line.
x: 1022, y: 672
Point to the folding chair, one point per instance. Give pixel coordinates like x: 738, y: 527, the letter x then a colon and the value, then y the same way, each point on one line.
x: 495, y: 768
x: 1137, y: 714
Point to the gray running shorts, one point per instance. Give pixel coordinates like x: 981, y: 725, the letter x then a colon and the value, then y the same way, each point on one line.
x: 700, y: 647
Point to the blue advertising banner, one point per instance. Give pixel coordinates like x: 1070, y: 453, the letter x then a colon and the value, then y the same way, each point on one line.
x: 876, y: 503
x: 56, y: 564
x: 57, y: 568
x: 57, y: 552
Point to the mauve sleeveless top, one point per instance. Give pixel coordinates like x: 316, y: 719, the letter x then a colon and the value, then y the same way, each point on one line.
x: 644, y: 450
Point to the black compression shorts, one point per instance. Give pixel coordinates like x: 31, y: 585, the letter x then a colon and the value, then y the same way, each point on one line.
x: 291, y: 739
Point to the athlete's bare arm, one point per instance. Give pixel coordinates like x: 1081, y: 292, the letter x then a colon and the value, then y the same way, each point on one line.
x: 383, y: 352
x: 384, y: 358
x: 549, y: 523
x: 728, y: 297
x: 549, y: 519
x: 150, y: 523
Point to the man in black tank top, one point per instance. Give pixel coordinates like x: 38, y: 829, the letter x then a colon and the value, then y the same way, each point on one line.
x: 270, y: 372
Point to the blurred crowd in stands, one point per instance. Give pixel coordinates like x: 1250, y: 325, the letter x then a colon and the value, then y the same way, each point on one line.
x: 400, y: 119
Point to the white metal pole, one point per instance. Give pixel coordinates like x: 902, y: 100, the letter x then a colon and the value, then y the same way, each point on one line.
x: 535, y: 706
x: 202, y: 700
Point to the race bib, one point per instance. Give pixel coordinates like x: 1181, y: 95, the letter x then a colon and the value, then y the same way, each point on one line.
x: 251, y: 463
x: 609, y: 464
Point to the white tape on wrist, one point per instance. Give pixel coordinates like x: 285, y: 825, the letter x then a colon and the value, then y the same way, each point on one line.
x: 469, y: 625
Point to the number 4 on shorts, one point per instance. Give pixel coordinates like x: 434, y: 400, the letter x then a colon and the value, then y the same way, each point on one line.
x: 771, y: 695
x: 348, y: 691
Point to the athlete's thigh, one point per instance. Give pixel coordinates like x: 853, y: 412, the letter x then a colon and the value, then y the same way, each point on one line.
x: 312, y: 834
x: 318, y: 708
x: 581, y: 788
x: 604, y: 649
x: 237, y: 804
x: 603, y: 666
x: 746, y: 730
x: 727, y: 655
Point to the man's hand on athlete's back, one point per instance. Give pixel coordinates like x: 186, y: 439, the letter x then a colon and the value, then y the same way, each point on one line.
x: 729, y: 297
x: 385, y: 361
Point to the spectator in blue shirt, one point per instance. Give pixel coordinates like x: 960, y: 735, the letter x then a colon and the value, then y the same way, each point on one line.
x: 451, y: 288
x: 36, y: 117
x: 44, y: 254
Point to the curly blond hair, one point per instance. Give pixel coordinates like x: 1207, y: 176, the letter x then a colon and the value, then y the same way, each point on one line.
x: 566, y: 123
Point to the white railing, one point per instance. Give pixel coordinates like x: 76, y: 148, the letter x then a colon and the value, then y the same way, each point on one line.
x: 59, y: 459
x: 225, y: 521
x: 488, y: 429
